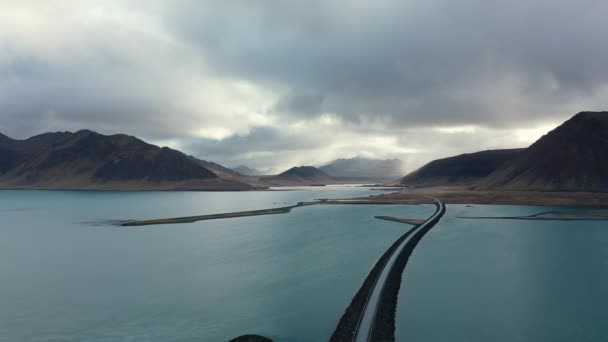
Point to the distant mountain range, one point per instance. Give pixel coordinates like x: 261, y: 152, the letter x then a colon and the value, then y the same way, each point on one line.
x: 247, y: 171
x: 572, y: 157
x: 300, y: 175
x: 89, y: 160
x: 364, y: 168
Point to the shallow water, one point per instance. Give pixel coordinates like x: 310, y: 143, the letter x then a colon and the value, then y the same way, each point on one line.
x: 506, y: 280
x: 68, y: 276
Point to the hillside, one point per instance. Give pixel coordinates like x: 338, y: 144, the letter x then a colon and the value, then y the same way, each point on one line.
x: 300, y: 175
x: 88, y: 160
x: 246, y: 171
x: 464, y: 169
x: 364, y: 168
x: 574, y: 156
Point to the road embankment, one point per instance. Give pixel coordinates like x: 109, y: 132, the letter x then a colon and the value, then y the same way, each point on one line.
x: 191, y: 219
x: 371, y: 314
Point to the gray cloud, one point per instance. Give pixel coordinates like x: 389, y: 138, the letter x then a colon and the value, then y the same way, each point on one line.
x: 290, y: 82
x: 412, y: 61
x: 263, y: 147
x: 303, y: 104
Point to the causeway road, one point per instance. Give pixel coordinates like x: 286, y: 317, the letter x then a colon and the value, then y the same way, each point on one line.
x: 367, y: 320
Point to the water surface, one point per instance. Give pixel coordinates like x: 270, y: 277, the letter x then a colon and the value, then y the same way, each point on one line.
x: 506, y: 280
x: 69, y: 276
x: 286, y: 276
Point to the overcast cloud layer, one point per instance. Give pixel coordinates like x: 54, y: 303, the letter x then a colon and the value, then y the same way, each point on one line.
x: 273, y: 84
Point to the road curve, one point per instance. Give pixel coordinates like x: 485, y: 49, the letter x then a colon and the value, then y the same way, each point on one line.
x: 365, y: 326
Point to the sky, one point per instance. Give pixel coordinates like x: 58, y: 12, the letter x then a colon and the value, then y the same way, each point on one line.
x: 273, y: 84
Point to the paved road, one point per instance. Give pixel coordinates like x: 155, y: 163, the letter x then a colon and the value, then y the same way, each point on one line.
x: 368, y: 317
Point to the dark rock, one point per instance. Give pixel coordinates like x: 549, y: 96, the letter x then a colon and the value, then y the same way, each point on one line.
x: 251, y: 338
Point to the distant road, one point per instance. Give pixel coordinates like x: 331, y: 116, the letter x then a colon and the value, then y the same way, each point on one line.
x: 365, y: 326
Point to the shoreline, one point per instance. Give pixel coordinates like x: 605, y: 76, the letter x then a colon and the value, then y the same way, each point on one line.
x: 457, y: 195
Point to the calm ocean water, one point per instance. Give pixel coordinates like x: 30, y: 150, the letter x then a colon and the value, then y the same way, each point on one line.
x: 66, y: 275
x: 287, y: 276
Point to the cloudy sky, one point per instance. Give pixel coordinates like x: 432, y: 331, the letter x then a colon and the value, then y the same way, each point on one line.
x: 272, y: 84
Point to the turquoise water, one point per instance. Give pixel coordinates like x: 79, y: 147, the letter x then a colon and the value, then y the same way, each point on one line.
x: 66, y: 275
x: 506, y: 280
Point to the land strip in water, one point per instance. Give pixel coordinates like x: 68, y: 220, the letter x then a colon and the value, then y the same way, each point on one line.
x: 384, y: 324
x: 414, y: 222
x: 345, y: 331
x: 270, y: 211
x: 191, y: 219
x: 463, y: 195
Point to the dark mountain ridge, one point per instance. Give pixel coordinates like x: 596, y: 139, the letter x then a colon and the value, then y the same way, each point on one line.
x: 86, y: 159
x: 300, y: 175
x: 574, y: 156
x: 464, y: 169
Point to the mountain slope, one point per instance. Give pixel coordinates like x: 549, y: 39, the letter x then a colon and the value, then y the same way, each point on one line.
x: 574, y: 156
x: 464, y: 169
x: 364, y: 168
x: 300, y: 175
x: 88, y: 160
x: 245, y: 170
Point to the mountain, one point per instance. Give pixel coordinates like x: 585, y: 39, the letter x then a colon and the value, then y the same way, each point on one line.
x: 300, y: 175
x: 464, y: 169
x: 574, y: 156
x: 89, y: 160
x: 229, y: 174
x: 247, y: 171
x: 4, y: 138
x: 364, y: 168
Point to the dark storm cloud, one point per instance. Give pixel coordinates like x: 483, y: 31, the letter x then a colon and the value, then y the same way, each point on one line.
x: 308, y: 103
x: 411, y: 62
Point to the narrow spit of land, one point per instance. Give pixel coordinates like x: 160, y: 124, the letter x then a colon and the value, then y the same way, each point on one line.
x: 464, y: 195
x: 414, y: 222
x: 270, y: 211
x: 580, y: 215
x: 528, y: 218
x: 191, y: 219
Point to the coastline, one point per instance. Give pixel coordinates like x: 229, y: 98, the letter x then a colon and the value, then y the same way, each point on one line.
x: 460, y: 195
